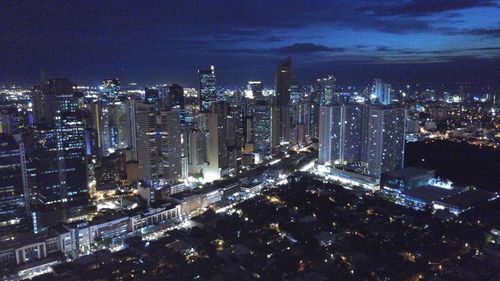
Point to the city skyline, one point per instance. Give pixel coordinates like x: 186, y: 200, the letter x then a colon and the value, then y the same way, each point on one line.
x: 165, y: 42
x: 250, y: 140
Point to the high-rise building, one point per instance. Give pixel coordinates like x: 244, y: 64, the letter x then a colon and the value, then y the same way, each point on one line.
x: 100, y: 123
x: 374, y: 135
x: 148, y: 154
x: 171, y: 146
x: 109, y: 120
x: 131, y: 111
x: 207, y: 91
x: 158, y: 144
x: 53, y: 97
x: 118, y: 124
x: 216, y: 150
x: 295, y: 93
x: 175, y: 97
x: 59, y: 137
x: 327, y: 89
x: 195, y: 150
x: 340, y: 128
x: 152, y: 95
x: 284, y: 78
x: 261, y: 129
x: 110, y: 89
x: 381, y: 92
x: 255, y: 87
x: 384, y: 139
x: 14, y: 196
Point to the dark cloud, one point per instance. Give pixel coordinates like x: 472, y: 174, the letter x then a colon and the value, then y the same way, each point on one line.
x: 488, y: 32
x: 383, y: 49
x: 308, y: 48
x: 425, y: 7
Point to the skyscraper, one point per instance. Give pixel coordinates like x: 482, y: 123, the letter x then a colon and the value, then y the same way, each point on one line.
x: 195, y: 150
x: 175, y: 96
x: 327, y: 90
x: 151, y: 95
x: 340, y: 133
x: 148, y: 153
x: 262, y: 129
x: 255, y: 87
x: 217, y: 153
x: 381, y: 92
x: 374, y: 135
x: 100, y: 122
x: 59, y: 137
x: 171, y: 147
x: 158, y: 144
x: 110, y: 89
x: 385, y: 139
x: 295, y: 94
x: 14, y: 196
x: 207, y: 91
x: 284, y: 78
x: 131, y: 111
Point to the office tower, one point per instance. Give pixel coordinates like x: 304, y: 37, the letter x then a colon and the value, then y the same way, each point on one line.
x: 60, y: 138
x: 381, y: 92
x: 295, y: 93
x: 101, y: 122
x: 255, y: 87
x: 326, y: 87
x: 146, y: 143
x: 91, y: 141
x: 311, y: 116
x: 207, y: 91
x: 384, y: 139
x: 326, y: 150
x: 340, y: 129
x: 110, y: 89
x: 52, y: 98
x: 171, y: 146
x: 130, y: 109
x: 195, y: 151
x: 175, y: 96
x: 261, y: 129
x: 151, y: 95
x: 275, y: 126
x: 14, y: 196
x: 216, y: 150
x: 118, y: 124
x: 284, y: 78
x: 109, y: 119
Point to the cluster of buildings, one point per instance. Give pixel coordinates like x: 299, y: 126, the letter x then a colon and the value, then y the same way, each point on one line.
x: 67, y: 150
x: 304, y: 230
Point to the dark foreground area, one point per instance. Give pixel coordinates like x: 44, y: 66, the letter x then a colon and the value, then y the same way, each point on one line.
x: 305, y: 230
x: 463, y: 163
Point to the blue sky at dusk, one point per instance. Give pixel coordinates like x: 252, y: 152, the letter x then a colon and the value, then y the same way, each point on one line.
x: 166, y: 41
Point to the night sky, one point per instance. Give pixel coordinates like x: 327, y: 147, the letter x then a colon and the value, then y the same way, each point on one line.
x: 167, y: 41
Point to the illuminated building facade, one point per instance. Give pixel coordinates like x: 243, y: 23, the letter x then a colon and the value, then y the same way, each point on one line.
x: 207, y: 91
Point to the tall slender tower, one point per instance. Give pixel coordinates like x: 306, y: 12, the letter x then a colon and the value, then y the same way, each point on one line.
x: 284, y: 78
x: 171, y: 147
x: 207, y: 91
x: 148, y: 153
